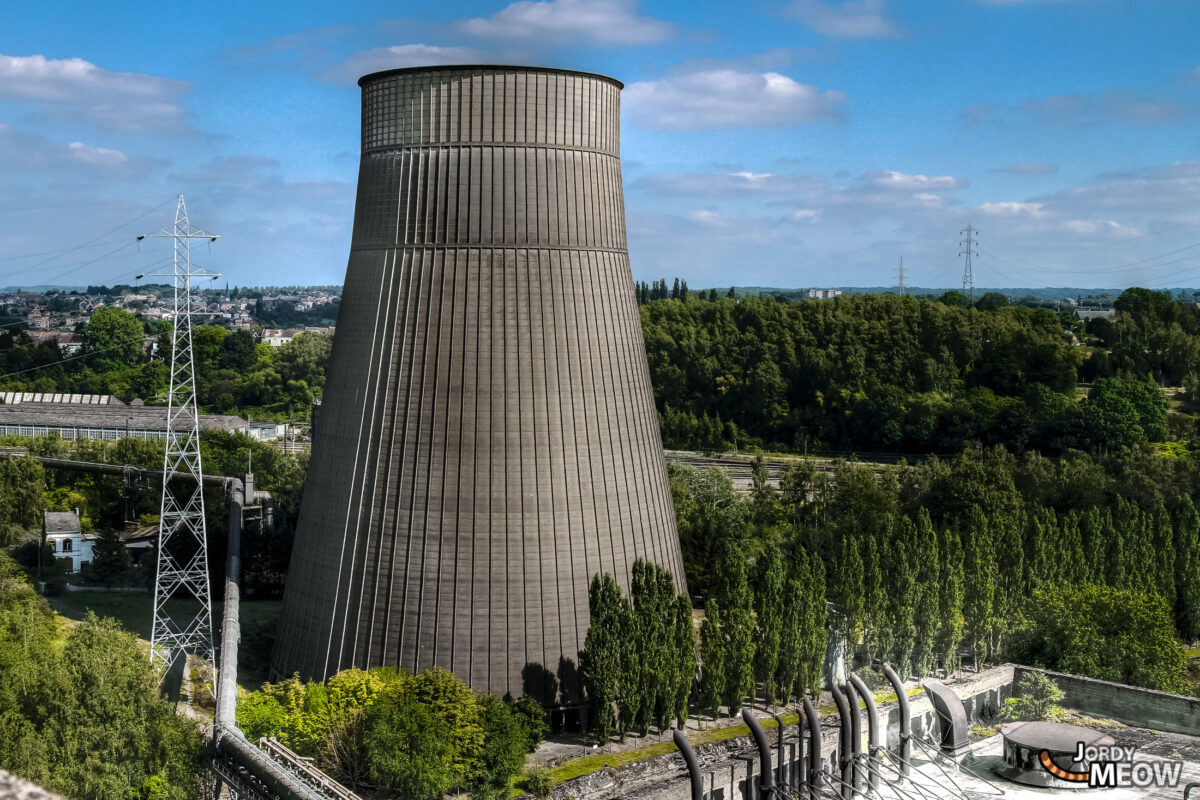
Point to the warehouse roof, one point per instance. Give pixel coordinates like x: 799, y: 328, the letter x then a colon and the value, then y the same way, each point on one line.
x: 122, y: 417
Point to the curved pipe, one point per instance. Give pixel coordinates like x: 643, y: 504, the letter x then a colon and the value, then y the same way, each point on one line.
x: 814, y: 747
x: 872, y: 724
x: 905, y: 718
x: 855, y: 734
x: 766, y: 778
x: 844, y: 759
x: 693, y: 764
x: 781, y: 778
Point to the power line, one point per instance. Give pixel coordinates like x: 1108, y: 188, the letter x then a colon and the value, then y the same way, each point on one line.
x: 96, y: 238
x: 140, y: 338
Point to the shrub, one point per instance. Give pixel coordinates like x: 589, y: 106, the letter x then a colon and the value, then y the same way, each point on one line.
x: 539, y: 781
x: 1037, y: 700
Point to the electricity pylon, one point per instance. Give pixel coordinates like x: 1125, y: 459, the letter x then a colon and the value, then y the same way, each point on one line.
x: 968, y: 249
x: 182, y: 542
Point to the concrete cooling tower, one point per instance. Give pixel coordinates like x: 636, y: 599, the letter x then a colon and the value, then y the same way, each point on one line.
x: 487, y: 440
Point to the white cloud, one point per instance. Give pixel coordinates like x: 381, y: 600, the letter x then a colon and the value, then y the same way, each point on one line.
x: 886, y: 179
x: 601, y: 23
x: 75, y: 89
x: 729, y: 98
x: 1012, y: 209
x: 855, y: 19
x: 728, y: 184
x: 397, y: 57
x: 29, y: 152
x: 707, y: 217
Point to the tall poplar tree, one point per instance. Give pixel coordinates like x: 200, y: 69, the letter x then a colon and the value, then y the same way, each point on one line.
x: 684, y: 646
x: 602, y: 660
x: 712, y: 656
x: 927, y: 604
x: 951, y: 593
x: 979, y: 568
x: 850, y: 593
x: 768, y: 605
x: 1187, y: 569
x: 902, y: 587
x: 737, y: 624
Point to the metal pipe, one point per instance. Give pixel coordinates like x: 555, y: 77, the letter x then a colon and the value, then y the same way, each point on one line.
x: 106, y: 469
x: 693, y: 764
x: 234, y: 745
x: 766, y: 779
x: 814, y: 747
x: 230, y: 626
x: 781, y: 779
x: 844, y: 759
x: 855, y: 736
x: 872, y: 724
x: 905, y: 718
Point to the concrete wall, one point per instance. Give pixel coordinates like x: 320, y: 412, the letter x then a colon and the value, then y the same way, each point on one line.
x: 1142, y: 708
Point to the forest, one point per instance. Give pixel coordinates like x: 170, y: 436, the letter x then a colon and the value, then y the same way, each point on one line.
x: 900, y: 374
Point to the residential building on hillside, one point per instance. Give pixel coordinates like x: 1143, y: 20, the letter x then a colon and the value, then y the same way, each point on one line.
x: 64, y: 536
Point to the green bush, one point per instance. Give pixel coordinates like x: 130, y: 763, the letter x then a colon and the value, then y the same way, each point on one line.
x: 1036, y: 701
x: 540, y: 781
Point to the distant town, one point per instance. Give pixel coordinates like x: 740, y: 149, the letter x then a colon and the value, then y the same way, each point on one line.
x: 273, y: 315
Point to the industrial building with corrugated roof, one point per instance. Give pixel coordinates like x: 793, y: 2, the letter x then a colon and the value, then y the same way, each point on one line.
x: 76, y: 416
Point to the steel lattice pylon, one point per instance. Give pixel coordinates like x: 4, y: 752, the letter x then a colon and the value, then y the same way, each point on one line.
x: 182, y: 542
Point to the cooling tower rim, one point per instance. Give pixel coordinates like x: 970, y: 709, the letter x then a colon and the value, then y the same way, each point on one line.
x: 387, y: 73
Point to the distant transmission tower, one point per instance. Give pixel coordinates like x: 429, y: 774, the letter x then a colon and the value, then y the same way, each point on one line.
x: 901, y: 275
x: 968, y: 249
x: 182, y: 543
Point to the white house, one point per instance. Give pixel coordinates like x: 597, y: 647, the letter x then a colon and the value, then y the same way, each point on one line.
x: 66, y: 540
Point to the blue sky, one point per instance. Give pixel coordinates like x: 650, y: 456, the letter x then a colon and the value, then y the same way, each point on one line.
x: 775, y: 142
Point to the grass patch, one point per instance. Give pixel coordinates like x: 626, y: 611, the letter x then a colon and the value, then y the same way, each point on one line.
x: 135, y: 612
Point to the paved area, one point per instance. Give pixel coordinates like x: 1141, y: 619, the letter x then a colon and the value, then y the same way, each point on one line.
x: 1152, y: 746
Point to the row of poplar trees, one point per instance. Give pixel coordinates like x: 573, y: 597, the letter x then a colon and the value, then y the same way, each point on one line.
x: 763, y: 628
x: 912, y: 596
x: 638, y: 662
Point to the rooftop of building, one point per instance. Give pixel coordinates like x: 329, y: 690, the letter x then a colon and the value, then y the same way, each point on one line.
x: 116, y: 417
x: 61, y: 521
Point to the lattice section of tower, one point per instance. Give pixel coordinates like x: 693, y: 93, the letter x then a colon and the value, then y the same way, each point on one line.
x: 182, y: 570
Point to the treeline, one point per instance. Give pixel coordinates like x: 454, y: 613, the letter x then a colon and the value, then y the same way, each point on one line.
x: 927, y: 564
x: 419, y: 736
x: 871, y: 373
x: 233, y: 373
x: 81, y: 713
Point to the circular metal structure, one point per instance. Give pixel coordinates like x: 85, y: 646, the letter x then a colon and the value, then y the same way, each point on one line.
x: 487, y: 440
x: 1025, y: 742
